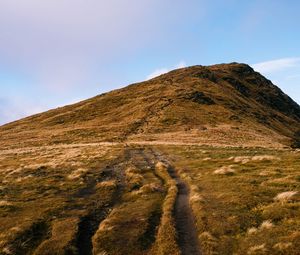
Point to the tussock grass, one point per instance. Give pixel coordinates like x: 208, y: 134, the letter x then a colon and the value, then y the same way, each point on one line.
x: 208, y: 243
x: 4, y: 203
x: 109, y: 184
x: 267, y: 224
x: 25, y: 239
x: 282, y: 247
x: 246, y: 159
x: 151, y: 187
x: 225, y: 170
x: 62, y: 238
x: 264, y: 157
x: 252, y: 230
x: 241, y: 159
x: 165, y: 243
x: 77, y: 174
x: 253, y: 211
x: 131, y: 226
x: 123, y: 231
x: 257, y: 249
x: 285, y: 196
x: 44, y: 190
x: 196, y: 198
x: 134, y: 178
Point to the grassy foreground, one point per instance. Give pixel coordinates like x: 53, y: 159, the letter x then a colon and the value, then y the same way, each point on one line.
x: 118, y: 199
x: 245, y: 201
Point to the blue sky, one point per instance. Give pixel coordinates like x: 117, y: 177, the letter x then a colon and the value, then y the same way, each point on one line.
x: 57, y: 52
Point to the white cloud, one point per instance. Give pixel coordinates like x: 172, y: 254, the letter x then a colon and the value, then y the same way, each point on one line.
x: 161, y: 71
x: 181, y: 64
x: 283, y: 72
x: 156, y: 73
x: 272, y: 66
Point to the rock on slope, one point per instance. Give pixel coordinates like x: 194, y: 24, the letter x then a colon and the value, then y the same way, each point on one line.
x: 226, y: 104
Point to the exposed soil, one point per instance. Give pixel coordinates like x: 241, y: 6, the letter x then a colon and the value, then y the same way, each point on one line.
x: 87, y: 228
x: 184, y: 219
x: 147, y: 158
x: 90, y: 223
x: 185, y: 224
x: 38, y: 232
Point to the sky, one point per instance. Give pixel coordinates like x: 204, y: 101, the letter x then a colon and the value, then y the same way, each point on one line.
x: 58, y: 52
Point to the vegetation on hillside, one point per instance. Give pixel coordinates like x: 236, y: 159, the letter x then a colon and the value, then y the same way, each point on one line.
x: 227, y: 104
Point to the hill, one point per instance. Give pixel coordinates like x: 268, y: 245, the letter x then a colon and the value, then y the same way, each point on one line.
x: 226, y: 104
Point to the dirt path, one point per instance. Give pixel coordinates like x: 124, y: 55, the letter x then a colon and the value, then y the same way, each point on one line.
x: 184, y: 219
x: 187, y: 236
x: 87, y: 228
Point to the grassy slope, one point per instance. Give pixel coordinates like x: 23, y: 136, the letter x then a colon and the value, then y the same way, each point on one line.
x: 222, y: 104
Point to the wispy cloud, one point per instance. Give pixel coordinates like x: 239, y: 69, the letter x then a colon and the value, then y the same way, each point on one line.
x: 15, y: 108
x: 156, y: 73
x: 161, y: 71
x: 181, y: 64
x: 276, y: 65
x: 284, y: 72
x: 65, y: 44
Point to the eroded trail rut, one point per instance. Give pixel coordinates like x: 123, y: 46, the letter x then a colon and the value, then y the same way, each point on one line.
x: 141, y: 158
x: 93, y: 203
x: 184, y: 219
x: 90, y: 223
x: 187, y: 237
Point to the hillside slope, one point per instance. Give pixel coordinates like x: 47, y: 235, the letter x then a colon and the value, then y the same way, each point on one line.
x: 226, y: 104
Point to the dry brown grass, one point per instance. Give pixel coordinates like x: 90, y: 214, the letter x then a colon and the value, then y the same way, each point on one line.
x: 62, y: 240
x: 165, y: 242
x: 253, y: 211
x: 285, y: 196
x: 41, y: 194
x: 226, y: 170
x: 130, y: 228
